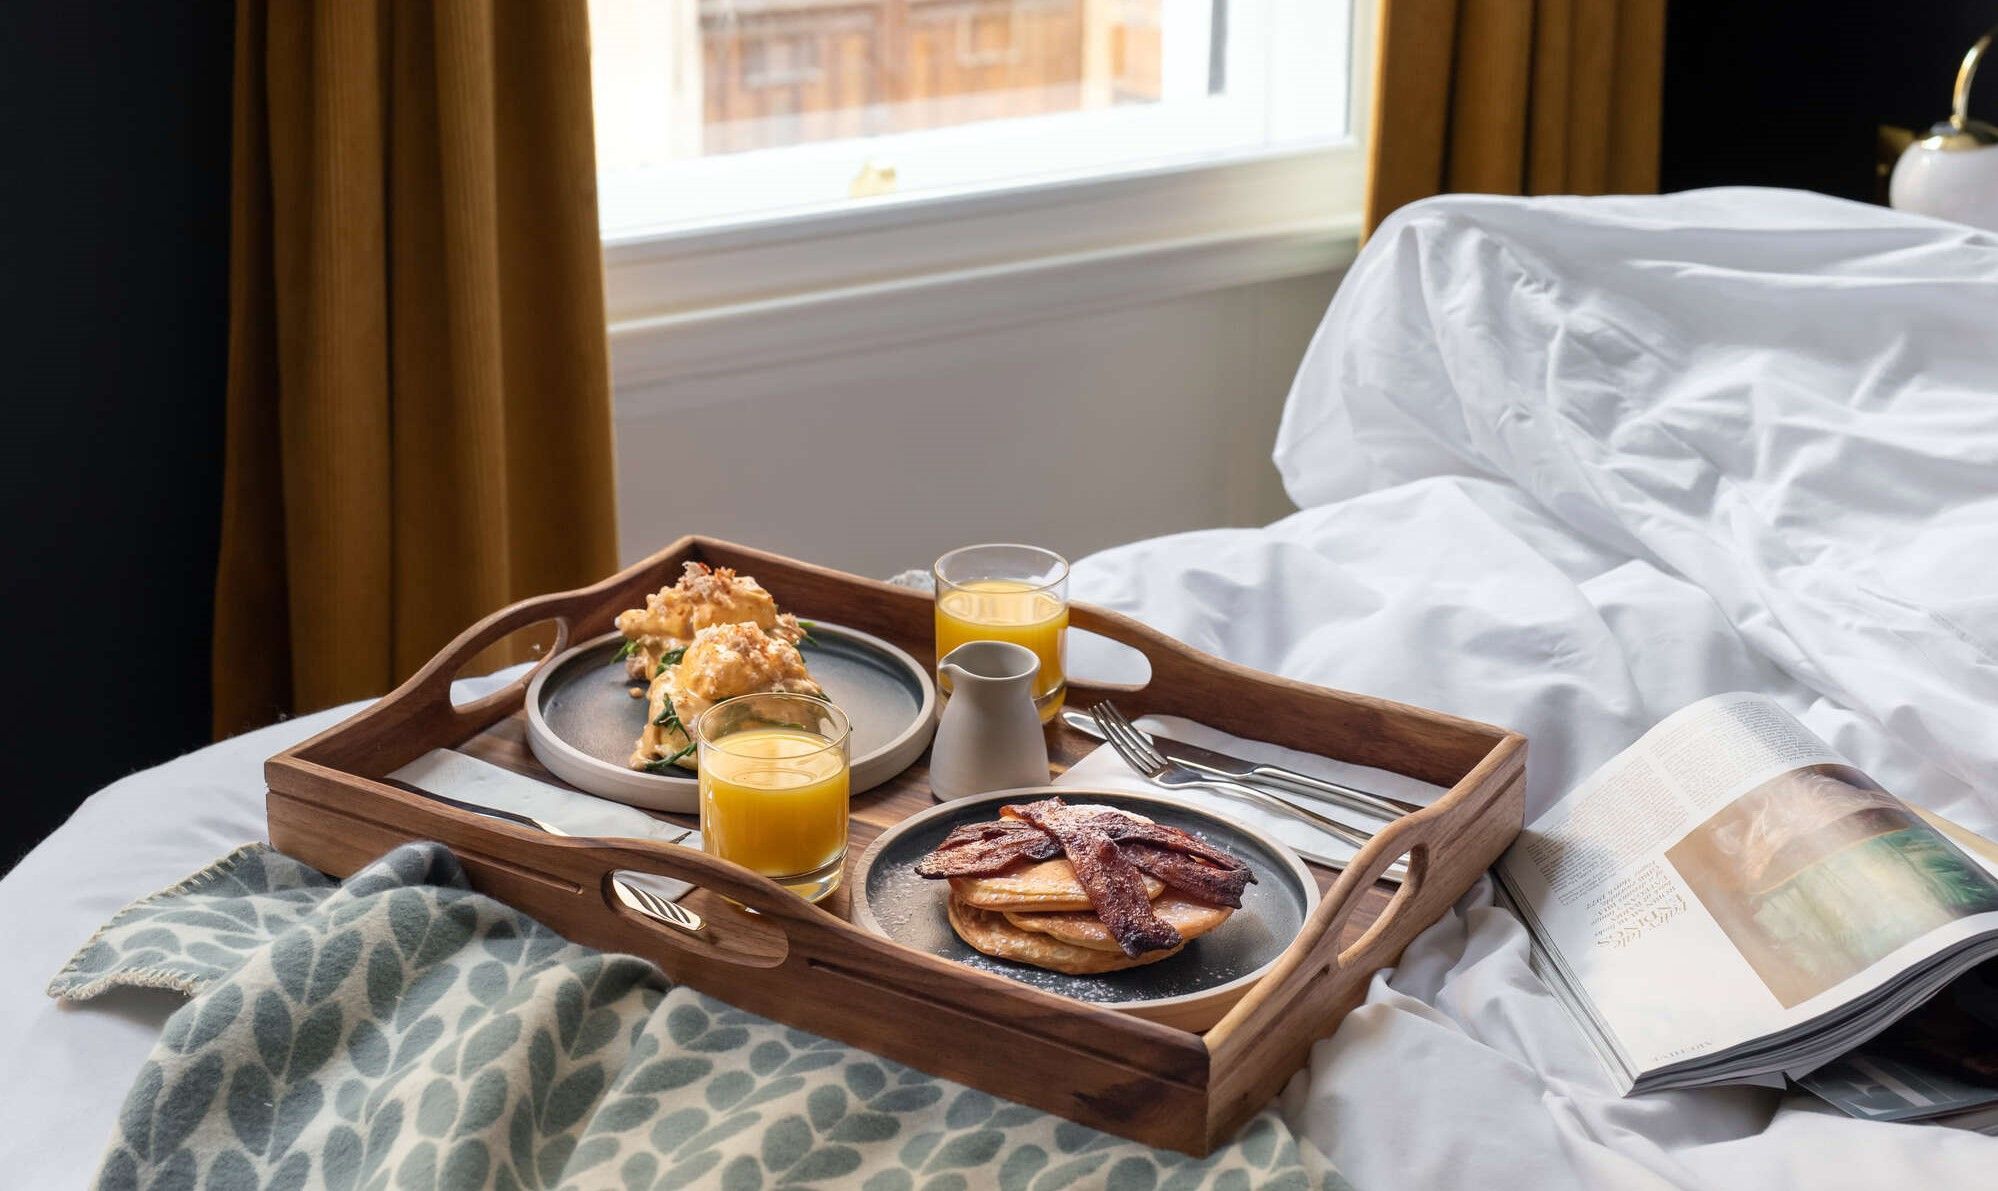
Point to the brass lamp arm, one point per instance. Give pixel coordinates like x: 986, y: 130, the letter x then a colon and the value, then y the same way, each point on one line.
x: 1959, y: 116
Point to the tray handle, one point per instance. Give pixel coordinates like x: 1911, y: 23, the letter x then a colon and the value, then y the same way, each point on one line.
x: 1316, y: 960
x: 432, y: 684
x: 567, y: 882
x: 764, y: 928
x: 601, y: 859
x: 1166, y: 657
x: 754, y: 933
x: 1446, y: 844
x: 1404, y: 837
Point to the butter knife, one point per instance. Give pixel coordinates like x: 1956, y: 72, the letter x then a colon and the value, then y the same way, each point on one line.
x: 470, y: 784
x: 442, y: 771
x: 1222, y: 765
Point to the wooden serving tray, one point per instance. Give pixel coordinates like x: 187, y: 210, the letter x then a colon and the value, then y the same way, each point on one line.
x: 811, y: 968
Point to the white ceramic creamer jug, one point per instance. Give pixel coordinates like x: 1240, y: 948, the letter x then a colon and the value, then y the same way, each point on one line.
x: 990, y: 735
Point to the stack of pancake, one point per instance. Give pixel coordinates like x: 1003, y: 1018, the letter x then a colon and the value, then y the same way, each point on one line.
x: 1083, y: 889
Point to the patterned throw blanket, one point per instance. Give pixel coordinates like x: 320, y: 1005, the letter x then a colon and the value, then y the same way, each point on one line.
x: 399, y: 1030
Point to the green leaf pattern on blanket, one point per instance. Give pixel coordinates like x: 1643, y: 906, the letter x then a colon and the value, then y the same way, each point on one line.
x: 397, y: 1030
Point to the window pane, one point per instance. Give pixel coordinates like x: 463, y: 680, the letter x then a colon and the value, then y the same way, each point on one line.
x: 863, y: 92
x: 783, y: 72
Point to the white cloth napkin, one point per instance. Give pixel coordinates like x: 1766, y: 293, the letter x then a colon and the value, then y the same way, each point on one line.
x: 1105, y: 770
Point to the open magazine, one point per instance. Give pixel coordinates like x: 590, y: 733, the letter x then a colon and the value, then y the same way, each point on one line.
x: 1730, y: 901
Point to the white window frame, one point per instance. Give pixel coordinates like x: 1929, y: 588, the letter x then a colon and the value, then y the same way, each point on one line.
x: 713, y: 295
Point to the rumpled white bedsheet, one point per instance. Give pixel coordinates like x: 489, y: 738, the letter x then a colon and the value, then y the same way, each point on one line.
x: 1567, y: 465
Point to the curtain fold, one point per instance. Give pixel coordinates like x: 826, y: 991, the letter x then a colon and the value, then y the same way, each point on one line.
x: 1515, y: 97
x: 419, y: 422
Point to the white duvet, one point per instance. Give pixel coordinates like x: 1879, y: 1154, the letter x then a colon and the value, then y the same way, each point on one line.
x: 1567, y: 465
x: 1564, y: 465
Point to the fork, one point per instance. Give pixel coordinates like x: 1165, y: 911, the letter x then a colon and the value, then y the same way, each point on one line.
x: 630, y: 893
x: 1318, y: 789
x: 1155, y: 768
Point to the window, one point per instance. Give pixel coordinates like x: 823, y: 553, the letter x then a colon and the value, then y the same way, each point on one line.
x: 716, y: 111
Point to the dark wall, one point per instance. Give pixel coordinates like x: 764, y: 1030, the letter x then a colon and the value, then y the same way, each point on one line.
x: 1764, y: 93
x: 114, y: 221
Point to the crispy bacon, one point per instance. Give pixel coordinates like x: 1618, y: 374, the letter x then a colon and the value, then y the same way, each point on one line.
x: 990, y: 829
x: 1125, y: 829
x: 1195, y: 878
x: 981, y: 849
x: 1043, y: 830
x: 1116, y: 891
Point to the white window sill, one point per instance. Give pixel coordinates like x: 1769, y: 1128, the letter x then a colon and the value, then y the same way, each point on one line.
x: 872, y: 273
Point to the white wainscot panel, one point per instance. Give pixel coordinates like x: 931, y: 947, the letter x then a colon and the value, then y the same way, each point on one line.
x: 1077, y: 433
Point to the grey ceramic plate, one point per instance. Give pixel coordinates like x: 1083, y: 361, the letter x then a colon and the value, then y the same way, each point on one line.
x: 582, y: 721
x: 891, y: 900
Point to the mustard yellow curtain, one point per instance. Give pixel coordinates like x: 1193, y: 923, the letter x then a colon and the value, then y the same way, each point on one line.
x: 418, y: 390
x: 1515, y: 97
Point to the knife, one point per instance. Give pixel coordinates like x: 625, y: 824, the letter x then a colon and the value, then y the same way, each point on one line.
x: 442, y: 771
x: 1221, y: 765
x: 470, y: 784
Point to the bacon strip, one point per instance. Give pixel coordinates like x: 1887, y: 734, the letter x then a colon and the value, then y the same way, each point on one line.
x: 1196, y: 878
x: 1046, y: 829
x: 981, y: 849
x: 1125, y: 829
x: 1115, y: 890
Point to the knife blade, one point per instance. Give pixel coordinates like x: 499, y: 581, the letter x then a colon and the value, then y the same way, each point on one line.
x: 469, y: 779
x: 1289, y: 781
x: 477, y: 785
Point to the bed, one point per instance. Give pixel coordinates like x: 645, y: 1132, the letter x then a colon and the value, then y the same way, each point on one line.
x: 1563, y: 465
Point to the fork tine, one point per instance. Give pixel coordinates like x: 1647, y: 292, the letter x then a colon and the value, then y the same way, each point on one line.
x: 1117, y: 742
x: 1130, y: 745
x: 1114, y: 732
x: 1139, y: 740
x: 1113, y: 729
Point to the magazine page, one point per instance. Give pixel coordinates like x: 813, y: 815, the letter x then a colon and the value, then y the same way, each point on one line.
x: 1730, y: 877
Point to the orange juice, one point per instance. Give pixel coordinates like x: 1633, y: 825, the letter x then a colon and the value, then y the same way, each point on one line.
x: 774, y: 800
x: 1008, y: 610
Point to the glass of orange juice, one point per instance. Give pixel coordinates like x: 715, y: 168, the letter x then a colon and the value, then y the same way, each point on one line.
x: 775, y: 788
x: 1007, y: 593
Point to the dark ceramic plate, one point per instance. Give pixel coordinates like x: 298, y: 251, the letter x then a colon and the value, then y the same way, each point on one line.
x: 582, y: 721
x: 891, y: 900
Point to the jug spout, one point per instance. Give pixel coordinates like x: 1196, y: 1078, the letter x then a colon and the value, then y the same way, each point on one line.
x: 985, y: 663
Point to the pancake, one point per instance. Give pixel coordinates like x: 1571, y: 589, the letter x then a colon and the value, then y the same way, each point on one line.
x: 992, y: 934
x: 1048, y: 885
x: 1191, y: 918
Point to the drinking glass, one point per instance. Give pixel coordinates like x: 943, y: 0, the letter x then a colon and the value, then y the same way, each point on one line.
x: 1007, y: 593
x: 775, y: 785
